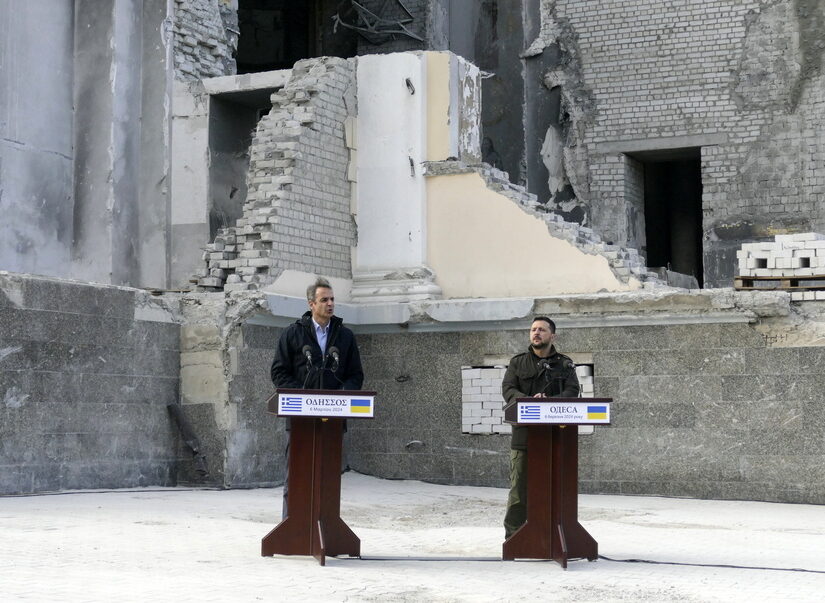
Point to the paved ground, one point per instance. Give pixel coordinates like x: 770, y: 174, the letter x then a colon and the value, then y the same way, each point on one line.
x: 178, y: 545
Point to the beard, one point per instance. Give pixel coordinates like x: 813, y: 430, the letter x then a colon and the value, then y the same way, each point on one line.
x: 540, y: 346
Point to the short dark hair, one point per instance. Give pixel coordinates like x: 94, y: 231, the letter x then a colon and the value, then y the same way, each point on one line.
x: 548, y: 321
x: 320, y: 283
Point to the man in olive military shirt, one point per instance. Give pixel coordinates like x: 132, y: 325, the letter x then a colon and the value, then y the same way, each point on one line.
x: 539, y: 372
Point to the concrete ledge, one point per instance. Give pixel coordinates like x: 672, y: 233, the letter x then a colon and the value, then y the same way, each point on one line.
x: 657, y: 144
x: 246, y: 82
x: 712, y: 306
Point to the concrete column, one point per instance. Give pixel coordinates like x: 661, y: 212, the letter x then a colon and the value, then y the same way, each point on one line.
x: 36, y: 155
x: 120, y: 209
x: 389, y: 263
x: 412, y: 108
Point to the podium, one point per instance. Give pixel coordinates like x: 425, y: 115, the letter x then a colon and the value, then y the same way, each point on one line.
x: 552, y: 530
x: 313, y: 525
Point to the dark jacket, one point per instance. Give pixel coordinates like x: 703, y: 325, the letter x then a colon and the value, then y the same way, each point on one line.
x: 289, y: 367
x: 527, y: 375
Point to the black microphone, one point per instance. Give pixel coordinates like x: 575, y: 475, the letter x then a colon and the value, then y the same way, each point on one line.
x: 569, y: 364
x: 307, y: 352
x: 336, y: 358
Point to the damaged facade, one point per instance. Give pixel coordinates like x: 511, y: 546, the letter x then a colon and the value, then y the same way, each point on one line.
x: 515, y: 158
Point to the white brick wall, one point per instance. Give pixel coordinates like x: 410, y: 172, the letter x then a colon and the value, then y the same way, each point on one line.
x: 482, y: 407
x: 732, y: 71
x: 297, y: 210
x: 204, y: 42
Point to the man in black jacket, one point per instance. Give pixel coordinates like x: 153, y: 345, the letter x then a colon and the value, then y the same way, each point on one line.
x: 539, y: 372
x: 316, y: 352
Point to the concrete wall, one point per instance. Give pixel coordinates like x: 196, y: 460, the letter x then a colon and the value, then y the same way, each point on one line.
x: 255, y: 450
x: 82, y: 141
x: 225, y: 382
x: 36, y: 136
x: 700, y: 410
x: 86, y: 373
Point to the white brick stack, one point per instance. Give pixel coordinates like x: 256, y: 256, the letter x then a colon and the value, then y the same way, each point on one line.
x: 794, y: 255
x: 482, y: 407
x: 789, y: 255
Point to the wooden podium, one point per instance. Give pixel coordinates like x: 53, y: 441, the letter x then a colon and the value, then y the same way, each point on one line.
x: 313, y: 525
x: 552, y: 530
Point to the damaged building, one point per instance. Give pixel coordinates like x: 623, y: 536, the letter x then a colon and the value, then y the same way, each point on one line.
x: 173, y: 173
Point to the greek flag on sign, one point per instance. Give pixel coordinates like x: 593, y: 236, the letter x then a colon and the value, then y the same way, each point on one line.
x: 290, y: 404
x: 529, y: 412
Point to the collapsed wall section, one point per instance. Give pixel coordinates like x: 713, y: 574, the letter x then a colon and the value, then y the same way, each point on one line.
x: 520, y: 261
x: 297, y: 211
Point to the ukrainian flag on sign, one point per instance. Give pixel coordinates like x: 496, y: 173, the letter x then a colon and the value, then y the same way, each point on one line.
x: 360, y: 405
x: 596, y: 412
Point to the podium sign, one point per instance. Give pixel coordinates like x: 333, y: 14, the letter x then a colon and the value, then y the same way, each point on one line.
x: 559, y: 411
x: 337, y: 404
x: 552, y: 529
x: 313, y: 525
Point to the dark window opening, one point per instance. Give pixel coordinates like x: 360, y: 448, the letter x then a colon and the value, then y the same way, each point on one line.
x: 233, y: 117
x: 673, y: 209
x: 275, y: 34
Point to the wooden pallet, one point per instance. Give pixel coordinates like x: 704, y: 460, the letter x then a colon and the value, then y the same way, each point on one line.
x: 784, y: 283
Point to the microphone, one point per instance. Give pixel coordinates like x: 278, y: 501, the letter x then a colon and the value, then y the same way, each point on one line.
x: 336, y: 358
x: 307, y: 352
x: 569, y: 365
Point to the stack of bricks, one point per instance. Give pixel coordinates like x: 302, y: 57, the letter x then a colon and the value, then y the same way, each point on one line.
x: 794, y: 255
x: 297, y: 210
x: 206, y: 34
x: 482, y: 407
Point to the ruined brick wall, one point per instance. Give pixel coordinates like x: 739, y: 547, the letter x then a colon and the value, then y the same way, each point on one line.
x: 206, y: 36
x: 741, y: 80
x: 297, y: 211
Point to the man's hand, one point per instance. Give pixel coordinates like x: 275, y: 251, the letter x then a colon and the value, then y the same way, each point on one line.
x: 538, y: 395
